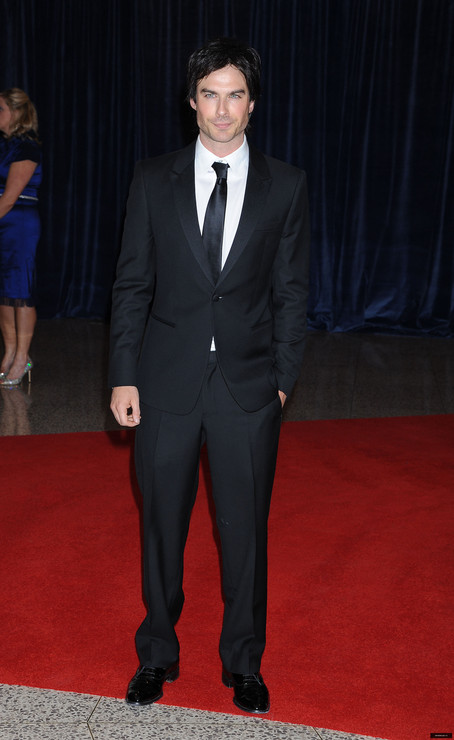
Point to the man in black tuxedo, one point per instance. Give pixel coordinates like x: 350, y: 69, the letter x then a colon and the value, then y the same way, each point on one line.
x: 208, y: 327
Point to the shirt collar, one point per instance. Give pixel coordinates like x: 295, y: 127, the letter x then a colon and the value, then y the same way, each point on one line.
x: 205, y: 158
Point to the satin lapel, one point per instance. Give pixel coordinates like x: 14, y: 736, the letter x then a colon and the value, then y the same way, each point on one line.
x: 182, y: 176
x: 257, y: 187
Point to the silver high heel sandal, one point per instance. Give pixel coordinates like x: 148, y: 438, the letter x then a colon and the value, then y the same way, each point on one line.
x: 5, y: 374
x: 6, y: 383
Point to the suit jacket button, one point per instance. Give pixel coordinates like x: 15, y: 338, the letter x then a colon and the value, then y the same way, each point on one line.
x: 217, y: 297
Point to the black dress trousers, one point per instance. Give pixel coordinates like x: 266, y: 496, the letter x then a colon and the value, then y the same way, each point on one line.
x: 242, y: 450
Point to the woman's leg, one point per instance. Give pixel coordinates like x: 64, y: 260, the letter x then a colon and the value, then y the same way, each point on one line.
x: 8, y: 329
x: 25, y: 320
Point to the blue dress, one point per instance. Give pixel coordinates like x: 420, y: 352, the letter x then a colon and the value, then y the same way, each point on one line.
x: 20, y: 228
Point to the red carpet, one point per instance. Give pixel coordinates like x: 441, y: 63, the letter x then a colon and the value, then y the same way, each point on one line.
x: 361, y: 575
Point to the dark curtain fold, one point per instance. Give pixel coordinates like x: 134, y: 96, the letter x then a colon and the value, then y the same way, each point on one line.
x: 360, y: 93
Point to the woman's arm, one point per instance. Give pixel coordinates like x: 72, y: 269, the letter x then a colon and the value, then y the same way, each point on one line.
x: 18, y: 176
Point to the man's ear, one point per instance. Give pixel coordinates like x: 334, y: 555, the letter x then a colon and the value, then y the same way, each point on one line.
x: 251, y: 106
x: 192, y: 103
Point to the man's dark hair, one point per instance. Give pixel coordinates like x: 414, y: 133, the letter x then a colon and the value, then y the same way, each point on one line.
x: 220, y: 53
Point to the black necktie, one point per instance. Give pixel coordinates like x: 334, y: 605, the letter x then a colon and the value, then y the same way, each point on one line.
x: 213, y: 225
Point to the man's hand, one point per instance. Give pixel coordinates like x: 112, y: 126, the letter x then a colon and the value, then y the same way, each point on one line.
x: 283, y: 397
x: 125, y: 405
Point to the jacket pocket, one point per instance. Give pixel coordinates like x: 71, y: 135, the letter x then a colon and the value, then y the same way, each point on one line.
x: 163, y: 321
x: 262, y: 324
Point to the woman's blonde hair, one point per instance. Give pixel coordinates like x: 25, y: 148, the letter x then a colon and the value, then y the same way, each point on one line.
x: 24, y: 121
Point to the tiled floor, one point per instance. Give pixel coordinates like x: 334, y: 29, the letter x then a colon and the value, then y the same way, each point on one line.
x: 38, y: 714
x: 344, y: 376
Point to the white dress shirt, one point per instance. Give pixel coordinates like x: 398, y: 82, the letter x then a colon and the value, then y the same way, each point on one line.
x: 205, y: 179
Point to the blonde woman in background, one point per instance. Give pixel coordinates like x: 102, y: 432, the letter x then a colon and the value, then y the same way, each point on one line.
x: 20, y: 177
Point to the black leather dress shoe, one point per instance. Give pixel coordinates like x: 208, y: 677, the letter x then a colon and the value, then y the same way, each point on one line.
x: 250, y: 692
x: 145, y: 686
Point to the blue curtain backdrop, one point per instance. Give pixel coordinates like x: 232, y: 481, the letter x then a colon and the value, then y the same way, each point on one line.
x: 360, y: 93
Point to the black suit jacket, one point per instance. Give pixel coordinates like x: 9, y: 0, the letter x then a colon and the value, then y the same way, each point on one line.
x: 166, y: 308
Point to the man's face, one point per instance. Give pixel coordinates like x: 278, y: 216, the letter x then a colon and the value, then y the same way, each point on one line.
x: 223, y: 108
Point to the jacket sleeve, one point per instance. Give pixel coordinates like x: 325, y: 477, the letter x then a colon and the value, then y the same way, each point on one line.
x: 133, y: 288
x: 290, y: 285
